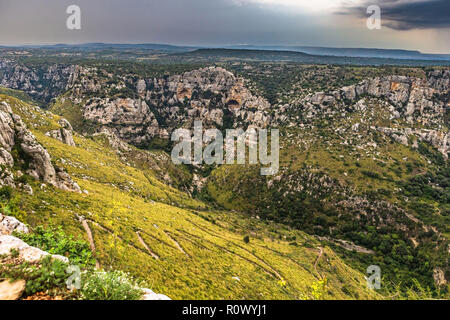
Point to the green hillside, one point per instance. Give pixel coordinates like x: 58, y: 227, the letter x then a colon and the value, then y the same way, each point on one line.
x: 180, y: 246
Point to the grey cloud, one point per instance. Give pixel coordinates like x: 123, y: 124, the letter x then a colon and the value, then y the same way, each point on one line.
x: 168, y: 21
x: 203, y: 22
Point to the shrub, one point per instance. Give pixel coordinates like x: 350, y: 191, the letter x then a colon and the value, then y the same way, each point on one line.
x: 371, y: 174
x: 48, y: 274
x: 111, y: 285
x: 6, y: 193
x: 246, y: 239
x: 10, y: 203
x: 55, y: 241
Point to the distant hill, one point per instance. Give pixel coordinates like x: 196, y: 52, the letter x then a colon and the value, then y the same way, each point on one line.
x: 213, y: 55
x: 300, y: 54
x: 109, y: 46
x: 352, y: 52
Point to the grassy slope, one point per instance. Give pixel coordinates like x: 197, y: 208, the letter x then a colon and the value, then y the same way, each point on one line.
x: 321, y: 148
x: 199, y: 251
x: 380, y: 172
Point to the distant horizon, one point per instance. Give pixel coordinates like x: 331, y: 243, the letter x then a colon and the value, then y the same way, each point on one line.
x: 421, y: 25
x: 224, y: 46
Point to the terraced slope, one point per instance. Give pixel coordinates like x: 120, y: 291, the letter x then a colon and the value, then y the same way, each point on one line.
x: 182, y: 247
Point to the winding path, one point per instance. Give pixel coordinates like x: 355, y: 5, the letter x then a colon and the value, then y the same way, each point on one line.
x: 154, y: 255
x: 86, y: 227
x: 175, y: 242
x: 317, y: 262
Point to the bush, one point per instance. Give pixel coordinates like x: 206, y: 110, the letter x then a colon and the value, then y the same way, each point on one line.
x: 246, y: 239
x: 111, y: 285
x: 6, y: 193
x: 55, y: 241
x: 49, y: 274
x: 10, y: 203
x: 371, y: 174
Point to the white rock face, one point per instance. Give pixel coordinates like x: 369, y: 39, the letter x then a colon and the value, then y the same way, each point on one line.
x: 150, y: 295
x: 213, y: 95
x: 437, y: 139
x: 28, y: 79
x: 26, y: 252
x: 14, y: 133
x: 6, y: 158
x: 439, y: 277
x: 8, y: 225
x: 421, y: 103
x: 63, y: 135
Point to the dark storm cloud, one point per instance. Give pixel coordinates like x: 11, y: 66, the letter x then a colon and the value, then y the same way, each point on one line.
x: 409, y: 14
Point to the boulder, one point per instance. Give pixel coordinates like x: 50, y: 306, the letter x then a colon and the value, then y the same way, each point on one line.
x: 63, y: 135
x: 150, y: 295
x: 12, y: 290
x: 8, y: 225
x: 65, y: 124
x: 6, y: 158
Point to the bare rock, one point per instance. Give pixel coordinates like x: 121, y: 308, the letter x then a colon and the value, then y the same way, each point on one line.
x: 8, y: 225
x: 213, y: 95
x: 150, y: 295
x: 6, y: 158
x: 114, y: 142
x: 14, y: 133
x: 439, y: 277
x: 12, y: 290
x: 65, y: 124
x: 64, y: 182
x: 26, y: 252
x: 63, y: 135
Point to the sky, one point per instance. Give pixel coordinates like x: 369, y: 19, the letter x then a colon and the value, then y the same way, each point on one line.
x: 406, y: 24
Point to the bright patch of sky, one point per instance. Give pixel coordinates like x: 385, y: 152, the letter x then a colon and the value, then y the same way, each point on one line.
x: 316, y: 6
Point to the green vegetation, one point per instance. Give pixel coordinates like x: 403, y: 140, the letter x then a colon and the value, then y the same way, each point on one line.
x: 199, y: 249
x: 388, y: 200
x: 49, y: 274
x: 55, y: 241
x: 112, y: 285
x: 318, y: 176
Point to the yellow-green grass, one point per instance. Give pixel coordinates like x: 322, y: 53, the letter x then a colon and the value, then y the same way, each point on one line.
x: 199, y: 251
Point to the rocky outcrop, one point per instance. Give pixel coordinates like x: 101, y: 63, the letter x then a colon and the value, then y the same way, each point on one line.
x: 437, y: 139
x: 414, y: 99
x: 113, y: 141
x: 63, y: 134
x: 150, y: 295
x: 30, y: 79
x: 8, y: 243
x: 439, y: 277
x: 213, y: 95
x: 421, y: 104
x: 8, y: 225
x: 32, y: 156
x: 25, y: 252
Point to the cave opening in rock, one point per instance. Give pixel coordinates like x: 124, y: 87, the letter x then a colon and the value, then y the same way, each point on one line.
x: 233, y: 104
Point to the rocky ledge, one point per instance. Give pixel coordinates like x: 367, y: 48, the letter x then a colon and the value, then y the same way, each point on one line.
x: 9, y: 243
x: 16, y: 139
